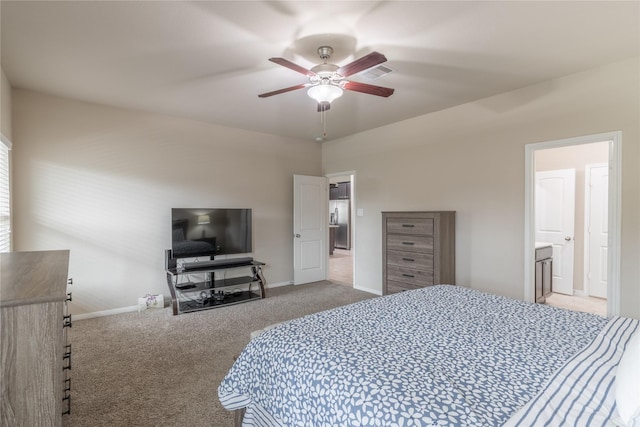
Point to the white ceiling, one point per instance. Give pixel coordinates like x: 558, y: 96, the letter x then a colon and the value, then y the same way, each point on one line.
x: 207, y: 60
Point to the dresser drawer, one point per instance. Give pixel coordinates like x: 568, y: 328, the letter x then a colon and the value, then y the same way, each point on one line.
x: 394, y: 287
x: 409, y: 243
x: 410, y: 225
x: 422, y: 261
x: 410, y: 275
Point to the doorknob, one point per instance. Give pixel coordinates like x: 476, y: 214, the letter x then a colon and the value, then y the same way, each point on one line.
x: 567, y: 238
x: 298, y: 236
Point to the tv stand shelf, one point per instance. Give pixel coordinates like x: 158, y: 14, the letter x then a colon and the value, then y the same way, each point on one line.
x: 209, y: 291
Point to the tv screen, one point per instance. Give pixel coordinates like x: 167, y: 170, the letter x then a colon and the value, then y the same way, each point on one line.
x: 210, y: 232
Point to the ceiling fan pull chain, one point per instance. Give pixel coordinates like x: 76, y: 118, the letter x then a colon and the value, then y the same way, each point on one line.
x: 323, y: 120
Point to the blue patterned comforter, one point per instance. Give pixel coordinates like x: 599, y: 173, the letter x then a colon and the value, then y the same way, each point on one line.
x: 442, y: 355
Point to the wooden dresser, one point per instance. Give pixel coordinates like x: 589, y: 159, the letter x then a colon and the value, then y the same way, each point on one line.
x: 418, y: 250
x: 34, y: 390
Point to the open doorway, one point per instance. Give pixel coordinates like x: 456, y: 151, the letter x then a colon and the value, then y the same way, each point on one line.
x: 586, y: 253
x: 570, y: 207
x: 341, y: 228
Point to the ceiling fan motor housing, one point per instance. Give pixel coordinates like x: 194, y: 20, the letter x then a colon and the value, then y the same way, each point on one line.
x: 325, y: 69
x: 325, y: 52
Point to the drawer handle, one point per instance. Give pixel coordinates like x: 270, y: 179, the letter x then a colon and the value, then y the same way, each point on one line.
x: 409, y: 259
x: 70, y: 281
x: 408, y: 243
x: 407, y: 275
x: 67, y: 358
x: 67, y: 398
x: 408, y: 225
x: 66, y: 323
x: 69, y: 298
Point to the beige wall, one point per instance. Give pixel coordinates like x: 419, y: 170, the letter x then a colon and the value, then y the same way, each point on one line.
x: 101, y: 181
x: 575, y: 157
x: 470, y: 159
x: 5, y: 107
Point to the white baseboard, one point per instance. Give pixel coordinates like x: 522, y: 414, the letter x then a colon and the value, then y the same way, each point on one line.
x: 131, y: 308
x: 369, y: 290
x: 105, y: 312
x: 279, y: 284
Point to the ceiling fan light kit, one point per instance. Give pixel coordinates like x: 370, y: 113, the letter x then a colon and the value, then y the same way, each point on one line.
x: 325, y: 92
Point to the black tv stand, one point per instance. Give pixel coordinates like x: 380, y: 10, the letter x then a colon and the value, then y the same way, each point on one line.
x: 199, y: 265
x: 212, y: 284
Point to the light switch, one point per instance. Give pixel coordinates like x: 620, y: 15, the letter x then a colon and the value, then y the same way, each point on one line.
x: 360, y: 212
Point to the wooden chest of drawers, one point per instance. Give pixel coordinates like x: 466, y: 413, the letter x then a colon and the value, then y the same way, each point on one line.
x: 418, y: 250
x: 34, y: 384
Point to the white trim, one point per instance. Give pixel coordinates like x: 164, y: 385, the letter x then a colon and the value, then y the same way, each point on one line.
x: 529, y: 226
x: 6, y: 141
x: 587, y: 221
x: 368, y: 290
x: 615, y: 223
x: 103, y: 313
x: 354, y: 211
x: 279, y: 284
x: 131, y: 308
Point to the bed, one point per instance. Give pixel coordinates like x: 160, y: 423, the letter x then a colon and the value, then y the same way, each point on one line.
x: 442, y: 355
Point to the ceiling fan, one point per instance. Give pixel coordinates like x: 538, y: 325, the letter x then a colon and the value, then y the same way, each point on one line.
x: 327, y: 81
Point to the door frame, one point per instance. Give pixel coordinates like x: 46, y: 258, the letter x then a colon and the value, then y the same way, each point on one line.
x: 352, y: 198
x: 614, y: 208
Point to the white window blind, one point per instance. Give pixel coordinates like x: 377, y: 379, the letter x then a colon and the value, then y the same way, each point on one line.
x: 5, y: 197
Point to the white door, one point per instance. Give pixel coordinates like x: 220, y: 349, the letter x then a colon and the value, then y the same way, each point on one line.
x: 596, y: 240
x: 554, y: 222
x: 310, y: 228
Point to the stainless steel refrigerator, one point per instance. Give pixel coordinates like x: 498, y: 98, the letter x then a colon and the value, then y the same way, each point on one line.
x: 340, y: 212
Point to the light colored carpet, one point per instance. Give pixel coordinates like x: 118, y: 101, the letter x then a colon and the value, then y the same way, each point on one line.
x: 156, y: 369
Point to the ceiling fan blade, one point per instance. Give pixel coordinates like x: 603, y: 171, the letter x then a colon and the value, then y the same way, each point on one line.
x: 367, y: 61
x: 292, y: 66
x: 286, y: 89
x: 367, y: 88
